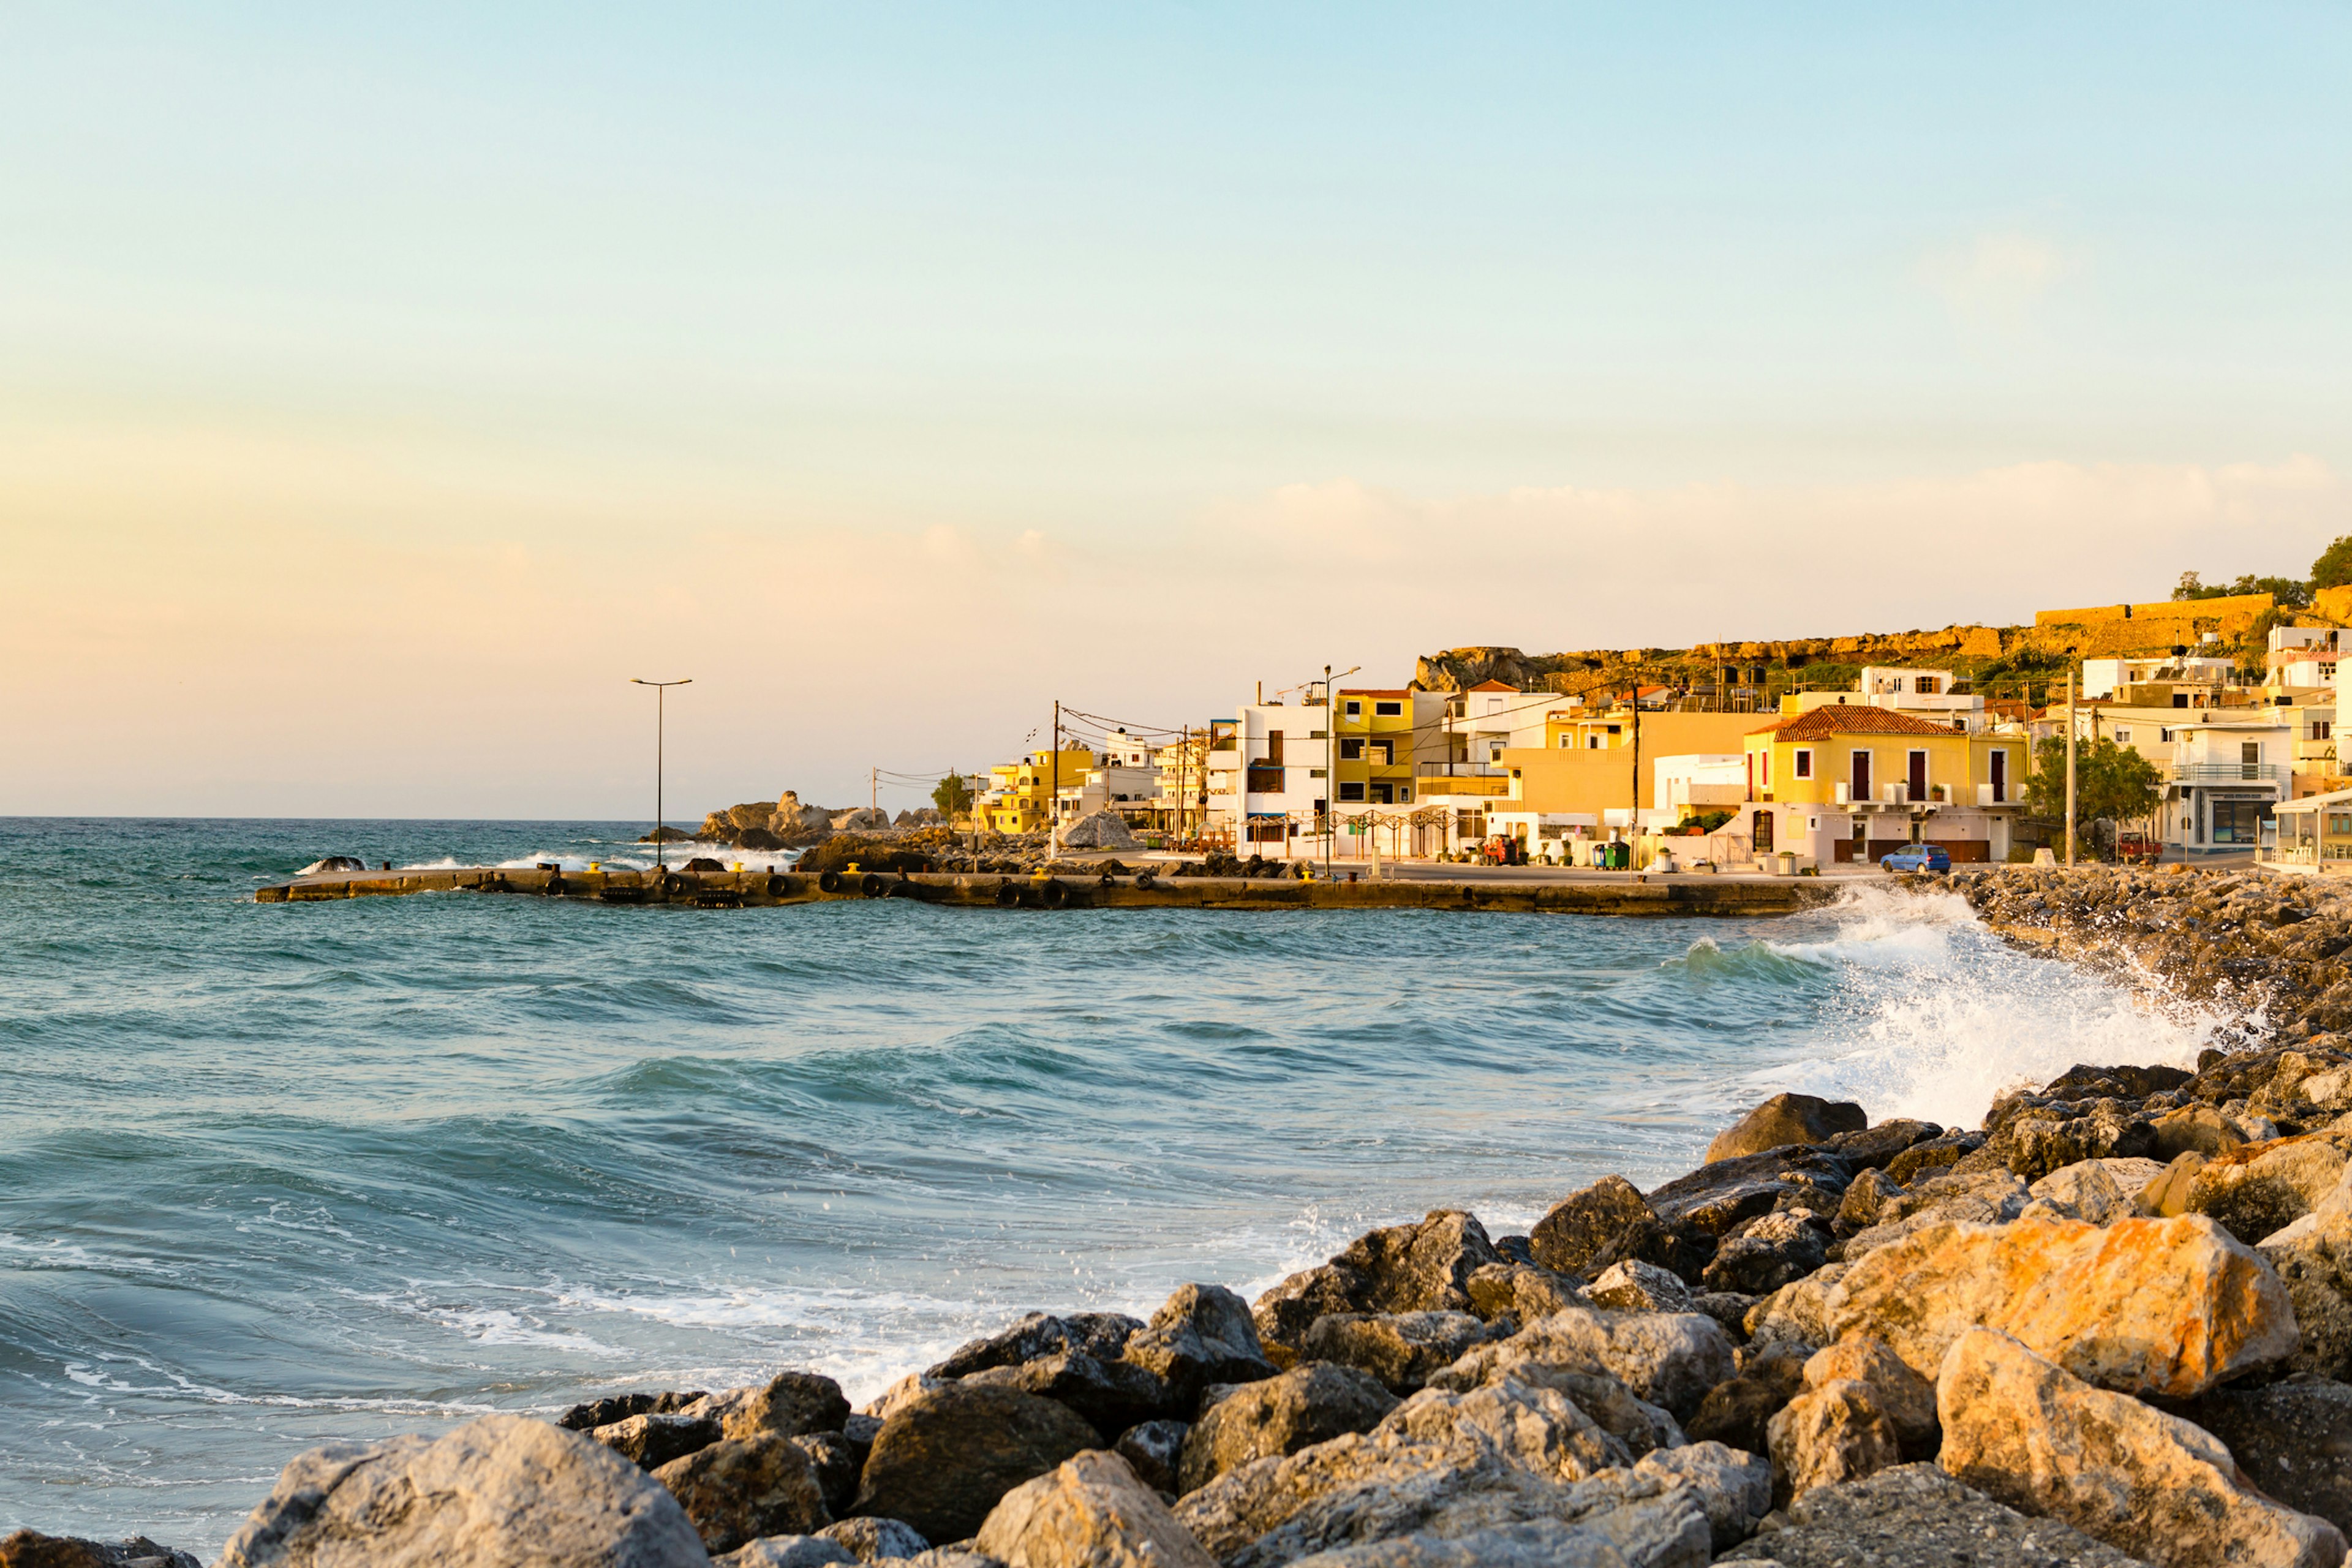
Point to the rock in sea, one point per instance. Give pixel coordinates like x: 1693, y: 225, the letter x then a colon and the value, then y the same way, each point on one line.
x: 495, y: 1492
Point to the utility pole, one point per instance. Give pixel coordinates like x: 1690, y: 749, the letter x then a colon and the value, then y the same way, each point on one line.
x: 1053, y: 800
x: 1330, y: 775
x: 661, y: 697
x: 2069, y: 767
x: 874, y: 788
x: 1632, y: 831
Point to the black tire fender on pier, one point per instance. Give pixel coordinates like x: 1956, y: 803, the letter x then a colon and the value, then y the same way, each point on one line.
x: 1007, y: 895
x: 673, y: 883
x: 1108, y: 880
x: 555, y: 889
x: 1052, y: 893
x: 1143, y: 881
x: 778, y: 884
x: 829, y: 881
x: 873, y: 886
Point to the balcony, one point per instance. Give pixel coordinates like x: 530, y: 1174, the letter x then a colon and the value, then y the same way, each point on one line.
x: 2229, y: 772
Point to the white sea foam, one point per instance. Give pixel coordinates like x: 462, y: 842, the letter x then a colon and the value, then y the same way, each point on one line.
x: 1940, y: 1016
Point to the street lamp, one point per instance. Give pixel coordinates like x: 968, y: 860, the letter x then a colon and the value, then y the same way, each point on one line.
x: 661, y: 697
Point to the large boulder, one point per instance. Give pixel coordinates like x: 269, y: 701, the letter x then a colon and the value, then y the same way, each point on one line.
x: 1873, y: 1147
x: 1102, y: 1335
x: 1522, y: 1290
x: 1834, y: 1431
x: 1947, y: 1197
x: 1422, y: 1267
x: 2260, y: 1188
x: 786, y: 1551
x: 1787, y: 1119
x: 1670, y: 1359
x: 791, y: 1404
x: 1907, y: 1400
x: 2022, y: 1430
x: 871, y: 1540
x: 1537, y: 1427
x: 501, y: 1490
x: 31, y: 1549
x: 1154, y: 1450
x: 1633, y: 1421
x: 1915, y: 1516
x: 1201, y: 1334
x: 1738, y: 1412
x: 943, y: 1458
x: 2099, y: 1191
x: 2167, y: 1307
x: 1440, y: 1482
x: 1769, y: 1252
x: 595, y: 1413
x: 2314, y: 1259
x: 1401, y: 1350
x: 1111, y: 1395
x: 1720, y: 1196
x: 1310, y: 1404
x: 2293, y: 1440
x: 1580, y: 1225
x: 650, y: 1442
x: 1632, y: 1286
x: 741, y: 1489
x: 1088, y: 1512
x: 1796, y: 1314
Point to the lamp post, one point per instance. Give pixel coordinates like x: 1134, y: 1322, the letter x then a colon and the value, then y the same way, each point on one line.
x: 661, y: 698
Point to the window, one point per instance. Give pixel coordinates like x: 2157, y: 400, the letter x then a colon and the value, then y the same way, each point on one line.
x: 1274, y: 746
x: 1315, y: 772
x: 1404, y: 792
x: 1494, y: 705
x: 1493, y: 753
x: 1352, y: 710
x: 1614, y: 728
x: 1387, y: 710
x: 1566, y: 741
x: 1927, y: 686
x: 1767, y: 755
x: 2341, y: 823
x: 2122, y: 734
x: 1805, y: 761
x: 1351, y: 751
x: 2164, y: 737
x: 1351, y: 792
x: 2322, y: 730
x: 1592, y: 742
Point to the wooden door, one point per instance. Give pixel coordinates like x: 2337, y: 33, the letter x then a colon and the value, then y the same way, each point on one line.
x: 1861, y: 777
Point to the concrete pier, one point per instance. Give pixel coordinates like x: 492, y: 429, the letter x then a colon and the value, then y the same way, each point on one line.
x: 1618, y: 895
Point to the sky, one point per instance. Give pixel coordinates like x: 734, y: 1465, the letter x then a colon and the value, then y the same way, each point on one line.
x: 382, y: 387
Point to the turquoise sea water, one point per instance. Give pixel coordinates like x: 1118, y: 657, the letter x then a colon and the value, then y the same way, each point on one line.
x: 274, y: 1174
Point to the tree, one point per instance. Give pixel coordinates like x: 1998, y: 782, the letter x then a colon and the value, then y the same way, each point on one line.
x: 2290, y: 594
x: 953, y: 797
x: 2334, y: 567
x: 2110, y: 780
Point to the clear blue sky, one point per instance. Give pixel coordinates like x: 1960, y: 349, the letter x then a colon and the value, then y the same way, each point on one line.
x: 894, y: 370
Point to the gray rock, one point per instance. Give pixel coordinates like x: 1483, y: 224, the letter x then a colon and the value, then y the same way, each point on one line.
x: 604, y: 1412
x: 1310, y: 1404
x: 1968, y: 1197
x: 1580, y: 1225
x: 1635, y: 1286
x: 509, y: 1489
x: 1424, y: 1267
x: 1616, y: 1409
x: 1670, y: 1359
x: 1796, y: 1313
x: 1202, y: 1334
x: 872, y: 1539
x: 1914, y: 1516
x: 1733, y: 1487
x: 790, y: 1404
x: 1721, y: 1196
x: 1154, y: 1450
x: 1536, y: 1428
x: 1932, y: 1155
x: 785, y: 1552
x: 1875, y: 1147
x: 1522, y: 1291
x: 1738, y: 1412
x: 838, y: 1463
x: 1110, y: 1396
x: 652, y: 1441
x: 31, y: 1549
x: 945, y: 1458
x: 741, y: 1489
x: 1401, y: 1350
x: 1102, y: 1335
x: 1776, y: 1249
x: 1859, y: 1209
x: 1787, y: 1119
x: 2293, y: 1438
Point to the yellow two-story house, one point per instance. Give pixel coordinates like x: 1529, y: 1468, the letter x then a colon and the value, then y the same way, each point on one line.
x: 1380, y: 738
x: 1019, y: 796
x: 1850, y: 783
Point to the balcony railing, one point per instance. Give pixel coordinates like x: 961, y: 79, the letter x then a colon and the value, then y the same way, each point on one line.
x: 2229, y: 772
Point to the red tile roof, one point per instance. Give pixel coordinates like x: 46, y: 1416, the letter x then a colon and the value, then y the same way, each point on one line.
x: 1850, y: 719
x: 1493, y: 686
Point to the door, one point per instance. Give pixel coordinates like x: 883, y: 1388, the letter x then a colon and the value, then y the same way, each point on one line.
x: 1918, y: 775
x: 1999, y: 761
x: 1861, y: 777
x: 2250, y: 760
x: 1763, y: 833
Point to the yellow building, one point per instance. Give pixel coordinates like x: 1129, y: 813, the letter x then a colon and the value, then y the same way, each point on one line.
x: 1020, y: 797
x: 1857, y: 783
x: 1381, y: 737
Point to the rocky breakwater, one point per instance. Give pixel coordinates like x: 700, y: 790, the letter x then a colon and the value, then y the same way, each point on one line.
x: 2042, y: 1340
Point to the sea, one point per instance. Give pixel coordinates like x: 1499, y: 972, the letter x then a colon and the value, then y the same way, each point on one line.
x: 273, y: 1176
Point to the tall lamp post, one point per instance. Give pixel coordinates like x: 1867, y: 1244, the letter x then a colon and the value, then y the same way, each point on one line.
x: 661, y: 698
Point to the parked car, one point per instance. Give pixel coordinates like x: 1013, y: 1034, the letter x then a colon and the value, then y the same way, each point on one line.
x: 1918, y: 857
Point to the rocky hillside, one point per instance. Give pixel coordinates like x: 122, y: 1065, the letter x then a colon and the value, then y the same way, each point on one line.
x: 2009, y: 658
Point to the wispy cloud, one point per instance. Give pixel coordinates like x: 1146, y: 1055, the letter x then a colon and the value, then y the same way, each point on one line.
x: 1997, y: 278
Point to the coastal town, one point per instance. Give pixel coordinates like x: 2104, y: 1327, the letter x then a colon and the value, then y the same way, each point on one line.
x: 2203, y: 730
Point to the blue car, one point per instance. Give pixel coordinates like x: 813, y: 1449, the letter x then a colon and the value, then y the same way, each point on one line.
x: 1918, y: 857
